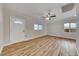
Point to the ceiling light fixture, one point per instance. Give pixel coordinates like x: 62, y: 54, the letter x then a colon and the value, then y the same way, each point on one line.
x: 49, y: 15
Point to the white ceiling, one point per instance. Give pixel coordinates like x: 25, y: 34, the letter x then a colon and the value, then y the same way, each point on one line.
x: 37, y: 9
x: 33, y: 7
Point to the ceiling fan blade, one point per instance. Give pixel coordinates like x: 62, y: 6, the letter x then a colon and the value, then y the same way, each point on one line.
x: 53, y: 16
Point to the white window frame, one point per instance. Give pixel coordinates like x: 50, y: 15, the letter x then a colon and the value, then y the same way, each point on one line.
x: 35, y: 26
x: 69, y: 26
x: 38, y: 27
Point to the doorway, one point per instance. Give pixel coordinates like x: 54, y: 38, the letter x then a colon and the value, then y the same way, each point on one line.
x: 17, y: 29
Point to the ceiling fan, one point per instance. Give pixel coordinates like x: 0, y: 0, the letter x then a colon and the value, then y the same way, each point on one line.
x: 48, y: 16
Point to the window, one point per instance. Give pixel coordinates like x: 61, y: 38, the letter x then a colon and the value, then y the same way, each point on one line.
x: 38, y: 27
x: 73, y: 25
x: 35, y: 26
x: 66, y: 26
x: 70, y: 27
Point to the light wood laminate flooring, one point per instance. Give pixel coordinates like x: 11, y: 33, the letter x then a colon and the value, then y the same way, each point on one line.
x: 42, y: 46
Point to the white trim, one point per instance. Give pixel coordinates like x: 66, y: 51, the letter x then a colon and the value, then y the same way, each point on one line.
x: 26, y: 39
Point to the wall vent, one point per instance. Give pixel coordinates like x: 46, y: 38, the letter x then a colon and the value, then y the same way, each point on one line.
x: 67, y: 7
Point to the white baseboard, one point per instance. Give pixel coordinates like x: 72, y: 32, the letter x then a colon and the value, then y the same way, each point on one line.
x: 27, y: 39
x: 64, y: 37
x: 9, y: 43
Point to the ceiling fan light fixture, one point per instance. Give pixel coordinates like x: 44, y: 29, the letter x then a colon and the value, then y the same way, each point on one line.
x: 47, y: 18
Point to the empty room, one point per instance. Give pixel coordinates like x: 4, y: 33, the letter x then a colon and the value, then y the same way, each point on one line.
x: 39, y: 29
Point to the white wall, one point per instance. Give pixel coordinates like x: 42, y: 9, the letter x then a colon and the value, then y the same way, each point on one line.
x: 77, y: 33
x: 1, y: 24
x: 55, y: 27
x: 30, y: 21
x: 30, y: 32
x: 1, y: 27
